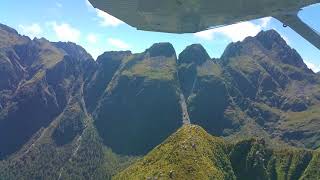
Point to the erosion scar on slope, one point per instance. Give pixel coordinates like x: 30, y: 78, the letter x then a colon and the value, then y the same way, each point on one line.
x: 184, y: 108
x: 183, y: 104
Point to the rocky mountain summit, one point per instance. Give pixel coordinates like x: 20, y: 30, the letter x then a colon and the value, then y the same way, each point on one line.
x: 60, y: 109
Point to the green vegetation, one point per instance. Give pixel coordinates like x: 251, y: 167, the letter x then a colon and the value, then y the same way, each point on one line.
x: 209, y: 69
x: 303, y: 126
x: 294, y: 118
x: 70, y: 148
x: 153, y: 68
x: 48, y: 55
x: 93, y: 160
x: 191, y: 153
x: 246, y: 64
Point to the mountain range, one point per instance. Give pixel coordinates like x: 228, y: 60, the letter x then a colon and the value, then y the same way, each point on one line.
x: 64, y: 115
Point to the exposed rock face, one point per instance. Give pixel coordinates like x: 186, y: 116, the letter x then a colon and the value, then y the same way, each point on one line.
x: 61, y: 101
x: 74, y: 51
x: 161, y: 49
x: 273, y: 41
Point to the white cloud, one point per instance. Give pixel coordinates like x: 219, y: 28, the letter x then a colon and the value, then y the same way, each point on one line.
x: 65, y: 32
x: 265, y: 22
x: 105, y: 19
x: 206, y: 35
x: 108, y: 20
x: 32, y: 30
x: 312, y: 66
x: 236, y: 32
x: 119, y: 44
x: 92, y: 38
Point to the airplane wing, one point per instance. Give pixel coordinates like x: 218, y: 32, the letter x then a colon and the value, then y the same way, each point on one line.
x: 295, y: 23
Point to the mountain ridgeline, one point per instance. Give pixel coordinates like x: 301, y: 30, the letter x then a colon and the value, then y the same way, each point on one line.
x: 64, y: 115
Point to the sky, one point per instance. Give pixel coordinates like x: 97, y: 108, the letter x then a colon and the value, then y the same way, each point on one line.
x: 77, y: 21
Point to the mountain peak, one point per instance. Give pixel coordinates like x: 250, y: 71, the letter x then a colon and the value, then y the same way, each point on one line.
x: 192, y: 130
x: 8, y: 29
x: 271, y: 33
x: 264, y: 39
x: 269, y: 38
x: 177, y: 156
x: 268, y: 43
x: 191, y: 153
x: 194, y: 53
x: 113, y: 55
x: 73, y: 50
x: 161, y: 49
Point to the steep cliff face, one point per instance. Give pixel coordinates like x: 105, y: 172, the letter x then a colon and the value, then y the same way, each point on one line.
x: 189, y: 59
x: 140, y: 106
x: 202, y: 79
x: 107, y: 66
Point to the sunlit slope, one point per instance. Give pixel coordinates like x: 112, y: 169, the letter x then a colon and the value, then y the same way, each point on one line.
x: 191, y: 153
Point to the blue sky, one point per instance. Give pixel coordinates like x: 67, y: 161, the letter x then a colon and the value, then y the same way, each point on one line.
x: 96, y: 31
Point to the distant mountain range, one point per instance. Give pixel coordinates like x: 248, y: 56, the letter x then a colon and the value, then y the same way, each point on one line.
x: 64, y: 115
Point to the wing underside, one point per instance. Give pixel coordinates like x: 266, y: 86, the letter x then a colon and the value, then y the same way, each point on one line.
x: 295, y: 23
